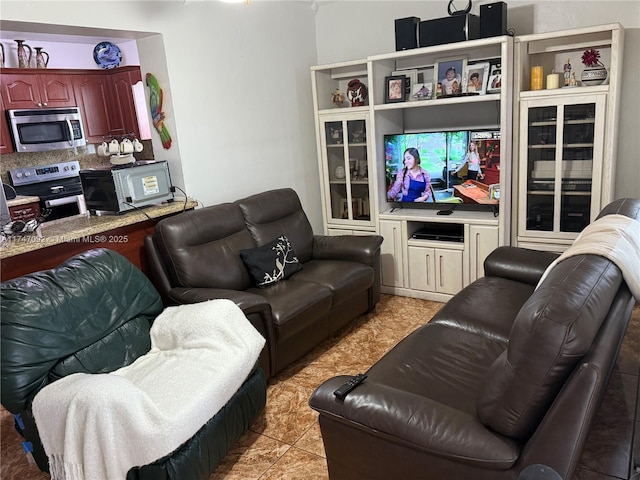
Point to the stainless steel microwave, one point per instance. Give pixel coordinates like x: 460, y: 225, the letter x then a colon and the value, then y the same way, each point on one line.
x: 40, y: 130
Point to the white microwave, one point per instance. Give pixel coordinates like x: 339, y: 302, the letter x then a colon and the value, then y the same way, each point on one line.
x: 40, y: 130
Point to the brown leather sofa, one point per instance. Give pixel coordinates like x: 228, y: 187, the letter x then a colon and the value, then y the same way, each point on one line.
x: 195, y: 256
x: 504, y: 376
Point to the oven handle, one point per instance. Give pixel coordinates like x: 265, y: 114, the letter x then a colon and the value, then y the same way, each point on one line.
x: 56, y: 202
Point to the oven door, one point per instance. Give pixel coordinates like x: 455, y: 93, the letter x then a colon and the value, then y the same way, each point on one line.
x: 57, y: 208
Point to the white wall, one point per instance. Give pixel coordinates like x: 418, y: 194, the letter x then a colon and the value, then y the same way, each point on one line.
x: 237, y: 85
x: 352, y: 30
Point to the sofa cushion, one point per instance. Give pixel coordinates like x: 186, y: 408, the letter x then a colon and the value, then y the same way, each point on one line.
x: 203, y: 247
x: 295, y: 305
x: 278, y: 212
x: 272, y: 262
x: 552, y: 332
x: 344, y: 278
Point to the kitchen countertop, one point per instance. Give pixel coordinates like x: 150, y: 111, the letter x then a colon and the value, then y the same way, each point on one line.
x: 72, y: 229
x: 21, y: 200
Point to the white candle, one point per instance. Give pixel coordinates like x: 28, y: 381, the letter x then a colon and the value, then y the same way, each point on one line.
x: 553, y: 81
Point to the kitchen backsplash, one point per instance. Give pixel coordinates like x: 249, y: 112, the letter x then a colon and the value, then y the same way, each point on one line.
x: 86, y: 156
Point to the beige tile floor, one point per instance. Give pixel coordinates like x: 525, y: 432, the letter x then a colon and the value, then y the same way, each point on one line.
x: 285, y: 441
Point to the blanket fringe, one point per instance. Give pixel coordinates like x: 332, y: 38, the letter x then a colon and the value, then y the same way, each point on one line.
x: 60, y: 470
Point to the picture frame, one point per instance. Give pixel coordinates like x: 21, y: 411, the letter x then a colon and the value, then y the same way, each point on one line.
x: 476, y: 78
x: 411, y: 79
x: 449, y: 87
x: 422, y: 91
x: 494, y: 84
x: 395, y: 88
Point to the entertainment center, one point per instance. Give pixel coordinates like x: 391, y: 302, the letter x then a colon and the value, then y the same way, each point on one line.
x: 361, y: 150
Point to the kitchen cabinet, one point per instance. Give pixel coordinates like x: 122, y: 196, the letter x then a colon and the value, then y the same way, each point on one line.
x: 25, y: 212
x: 94, y: 100
x: 122, y: 111
x: 29, y: 90
x: 5, y: 137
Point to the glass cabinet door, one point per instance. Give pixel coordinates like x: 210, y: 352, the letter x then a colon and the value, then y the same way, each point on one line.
x: 347, y: 170
x: 563, y: 151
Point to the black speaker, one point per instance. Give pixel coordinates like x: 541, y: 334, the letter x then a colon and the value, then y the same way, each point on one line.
x: 456, y: 28
x: 493, y: 19
x: 406, y: 33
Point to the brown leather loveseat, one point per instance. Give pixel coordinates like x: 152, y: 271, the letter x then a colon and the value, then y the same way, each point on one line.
x: 195, y: 256
x: 504, y: 376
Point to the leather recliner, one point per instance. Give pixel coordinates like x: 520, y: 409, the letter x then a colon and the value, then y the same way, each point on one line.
x: 92, y: 314
x: 195, y: 256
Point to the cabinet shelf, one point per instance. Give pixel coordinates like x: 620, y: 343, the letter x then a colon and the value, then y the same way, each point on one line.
x: 559, y: 92
x: 341, y: 111
x: 439, y: 102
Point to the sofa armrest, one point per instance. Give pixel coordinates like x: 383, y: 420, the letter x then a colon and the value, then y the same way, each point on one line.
x: 519, y: 264
x: 256, y: 309
x: 409, y: 419
x: 363, y: 249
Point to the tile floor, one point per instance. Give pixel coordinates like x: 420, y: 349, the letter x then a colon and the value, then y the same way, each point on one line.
x: 285, y: 441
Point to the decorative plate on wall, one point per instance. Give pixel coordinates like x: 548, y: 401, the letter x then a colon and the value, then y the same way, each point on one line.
x: 107, y: 55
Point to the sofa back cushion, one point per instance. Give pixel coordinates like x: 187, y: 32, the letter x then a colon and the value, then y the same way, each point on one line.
x: 201, y: 248
x: 552, y: 332
x: 91, y: 314
x: 272, y: 214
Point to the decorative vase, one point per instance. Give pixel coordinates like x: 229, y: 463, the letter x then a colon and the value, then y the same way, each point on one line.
x: 593, y: 75
x: 24, y: 59
x: 340, y: 172
x: 41, y: 62
x: 356, y: 92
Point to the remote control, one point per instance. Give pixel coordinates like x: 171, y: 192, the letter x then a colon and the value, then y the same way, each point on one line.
x: 350, y: 385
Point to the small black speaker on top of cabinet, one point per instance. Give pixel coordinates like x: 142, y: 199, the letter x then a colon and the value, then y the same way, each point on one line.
x: 493, y: 19
x: 406, y: 33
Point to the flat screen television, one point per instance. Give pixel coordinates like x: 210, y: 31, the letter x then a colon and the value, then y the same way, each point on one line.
x: 446, y: 175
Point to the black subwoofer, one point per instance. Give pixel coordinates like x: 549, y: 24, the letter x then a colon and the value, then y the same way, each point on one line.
x: 456, y: 28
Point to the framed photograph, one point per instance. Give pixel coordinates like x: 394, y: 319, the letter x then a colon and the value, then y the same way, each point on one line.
x: 475, y: 78
x: 422, y: 91
x: 394, y: 88
x: 447, y: 74
x: 495, y: 79
x: 411, y: 79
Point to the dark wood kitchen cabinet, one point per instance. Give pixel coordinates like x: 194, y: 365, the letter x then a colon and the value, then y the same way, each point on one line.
x: 37, y: 90
x: 104, y: 97
x: 123, y: 109
x: 5, y: 138
x: 93, y: 95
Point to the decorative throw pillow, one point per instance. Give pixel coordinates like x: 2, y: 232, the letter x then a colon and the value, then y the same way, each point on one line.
x: 272, y: 262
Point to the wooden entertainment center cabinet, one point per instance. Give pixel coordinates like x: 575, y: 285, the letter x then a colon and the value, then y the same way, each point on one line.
x: 351, y: 153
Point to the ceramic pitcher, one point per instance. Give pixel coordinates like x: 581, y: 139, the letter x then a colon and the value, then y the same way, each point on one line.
x: 24, y: 59
x: 41, y: 61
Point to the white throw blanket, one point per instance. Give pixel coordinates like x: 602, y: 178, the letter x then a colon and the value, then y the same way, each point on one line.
x: 615, y: 237
x: 98, y: 427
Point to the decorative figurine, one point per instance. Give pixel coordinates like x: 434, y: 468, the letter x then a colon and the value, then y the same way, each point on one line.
x: 567, y: 72
x: 337, y: 98
x: 356, y: 93
x: 572, y: 81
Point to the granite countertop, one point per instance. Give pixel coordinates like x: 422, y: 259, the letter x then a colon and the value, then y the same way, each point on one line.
x: 73, y: 228
x: 22, y: 200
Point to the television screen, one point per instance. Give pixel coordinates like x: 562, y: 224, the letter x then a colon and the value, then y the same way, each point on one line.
x: 459, y: 166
